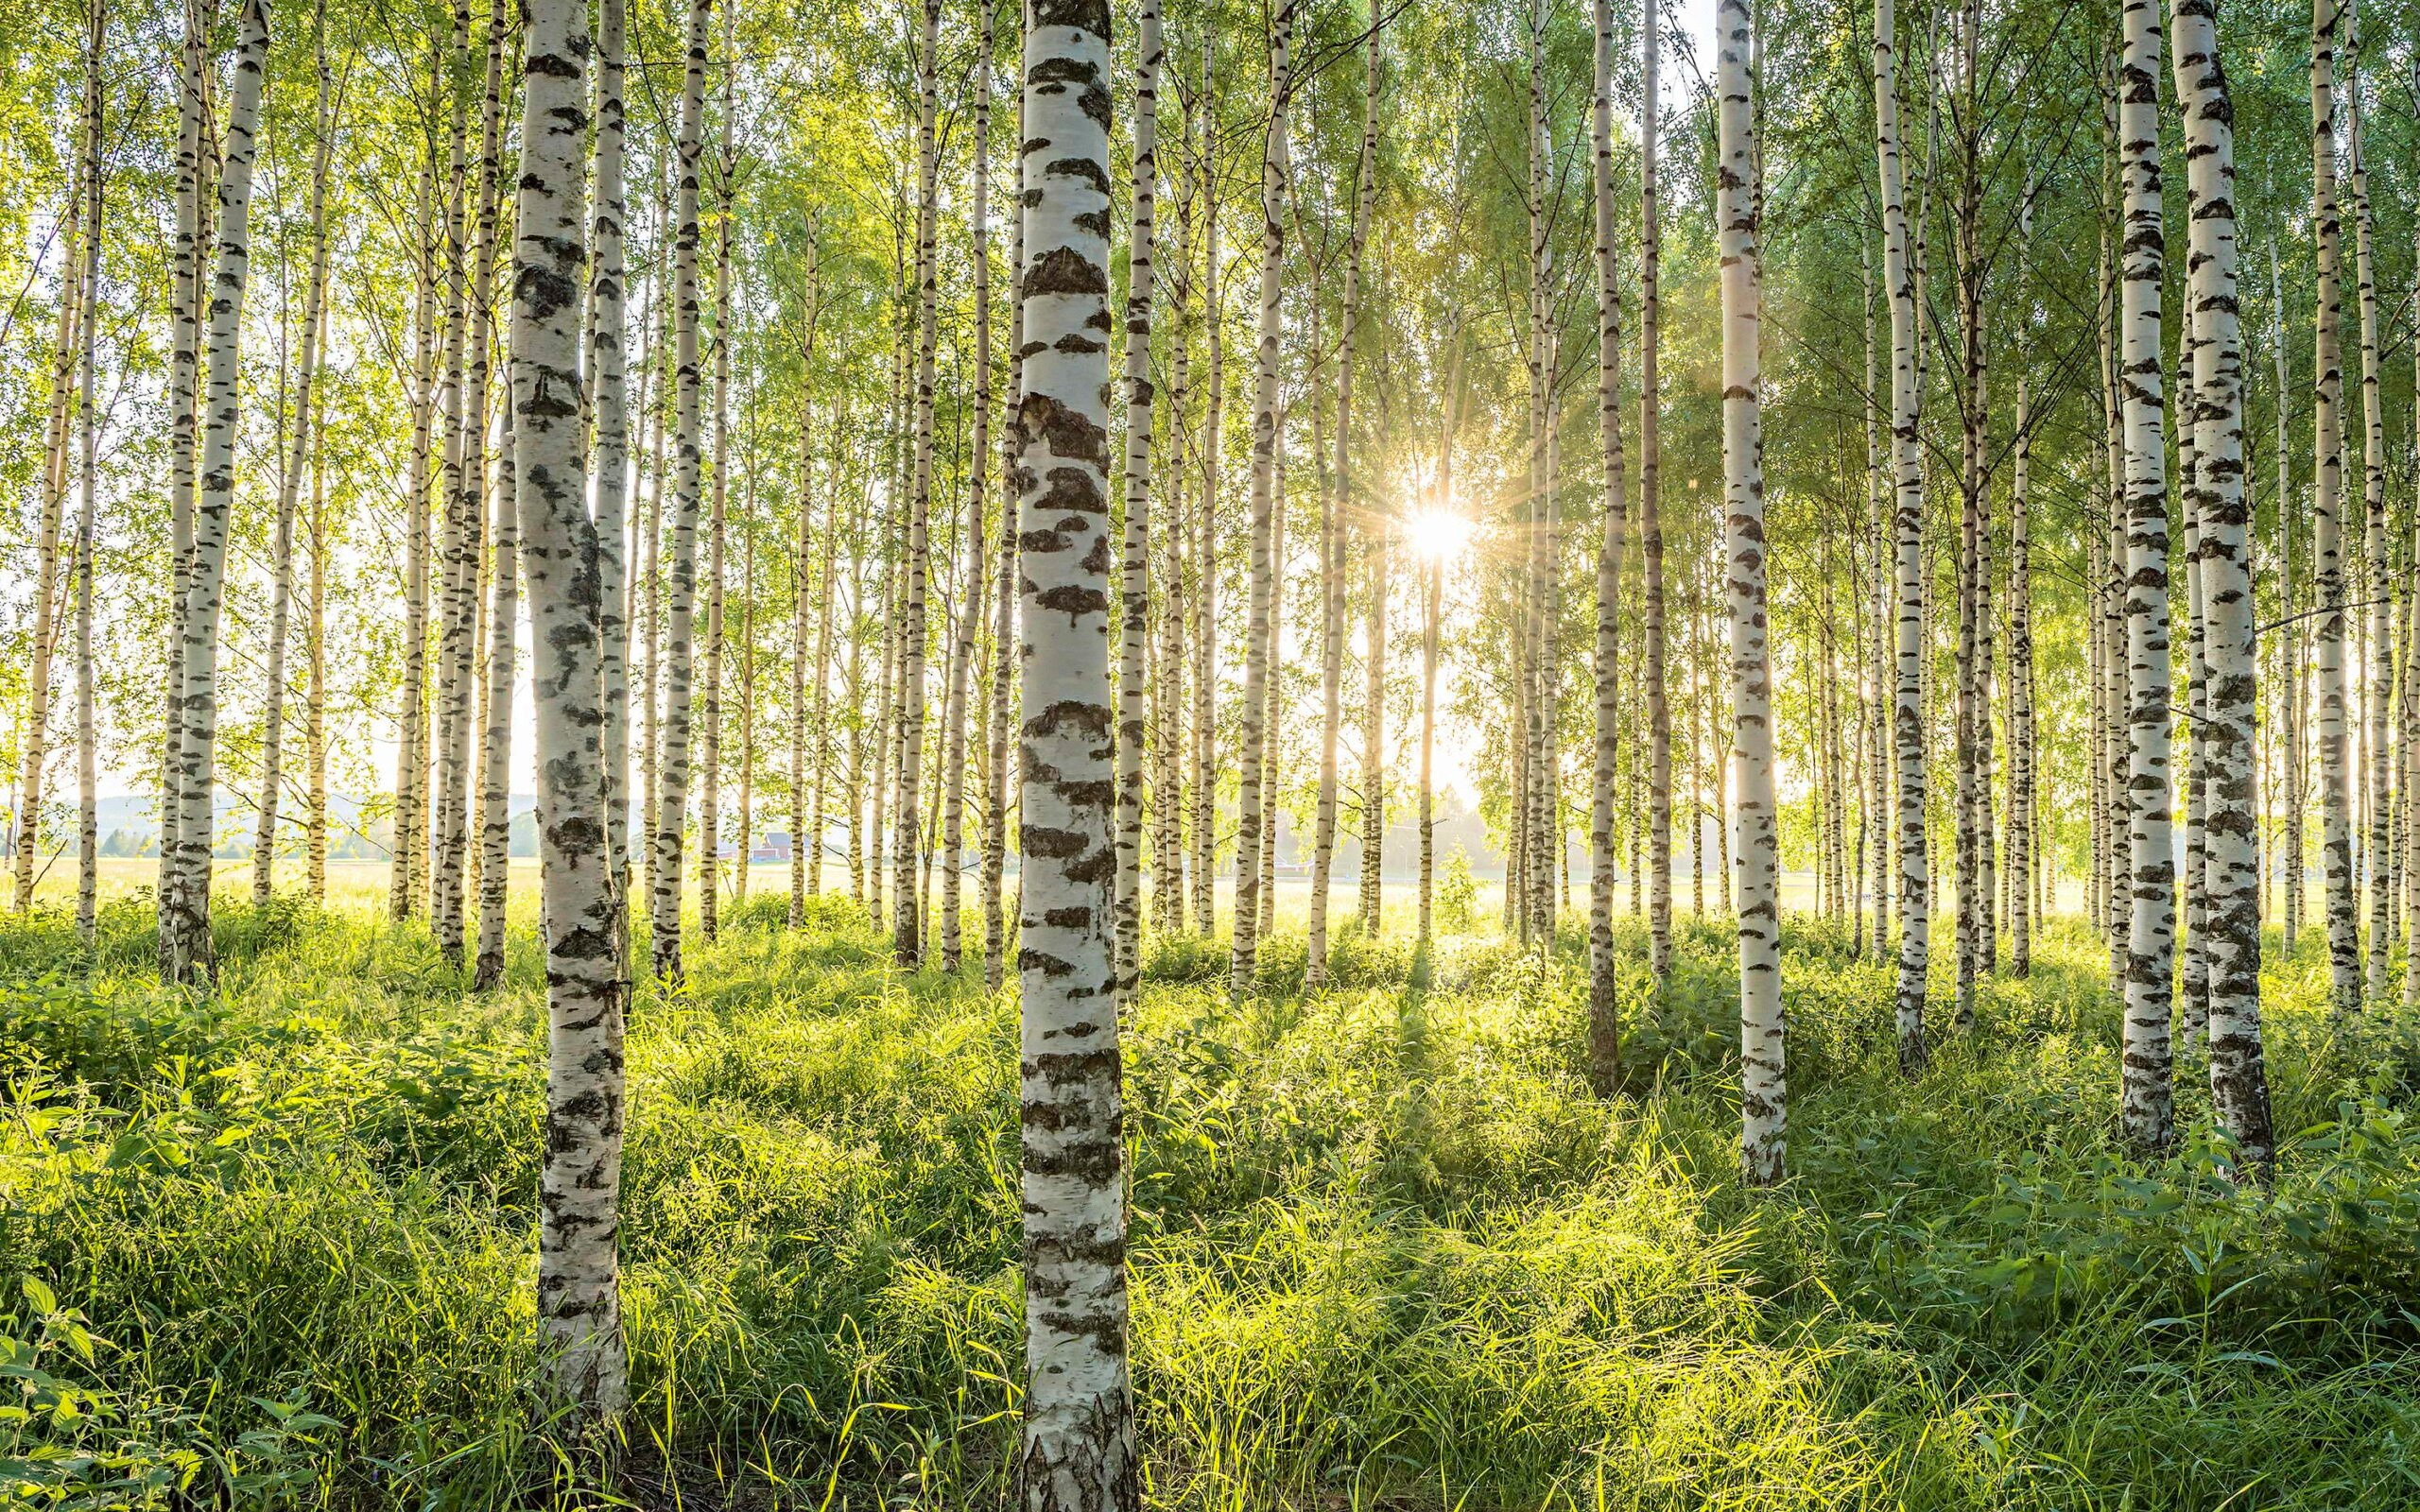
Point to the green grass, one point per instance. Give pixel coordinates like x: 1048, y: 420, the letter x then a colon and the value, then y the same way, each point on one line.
x: 1388, y: 1253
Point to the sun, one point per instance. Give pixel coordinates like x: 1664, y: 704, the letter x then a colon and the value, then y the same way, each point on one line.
x: 1437, y: 534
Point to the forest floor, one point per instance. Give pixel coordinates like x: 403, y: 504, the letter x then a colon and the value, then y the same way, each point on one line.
x: 1386, y: 1251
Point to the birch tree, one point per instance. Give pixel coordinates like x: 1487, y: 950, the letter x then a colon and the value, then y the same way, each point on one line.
x: 297, y: 461
x: 1171, y: 695
x: 1331, y: 580
x: 2145, y: 1111
x: 710, y: 751
x: 315, y: 694
x: 444, y: 565
x: 1373, y: 698
x: 579, y: 1281
x: 457, y: 644
x: 1078, y: 1452
x: 1656, y: 691
x: 1604, y: 974
x: 906, y: 915
x: 1255, y: 830
x: 88, y: 287
x: 2377, y: 634
x: 1762, y: 1087
x: 47, y: 578
x: 185, y: 456
x: 2022, y: 813
x: 973, y: 583
x: 673, y: 764
x: 608, y: 367
x: 186, y: 956
x: 1972, y: 797
x: 1333, y: 502
x: 820, y: 722
x: 811, y: 588
x: 1134, y: 588
x: 2239, y: 1083
x: 496, y: 743
x: 2290, y: 650
x: 1205, y: 733
x: 1531, y: 873
x: 1006, y: 581
x: 2327, y: 518
x: 1373, y: 720
x: 1913, y: 887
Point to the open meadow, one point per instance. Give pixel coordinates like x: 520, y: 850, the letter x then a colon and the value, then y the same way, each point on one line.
x: 276, y: 1247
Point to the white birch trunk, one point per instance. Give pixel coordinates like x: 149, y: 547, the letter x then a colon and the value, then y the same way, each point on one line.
x: 710, y: 753
x: 579, y: 1273
x: 2379, y: 636
x: 1972, y: 713
x: 1133, y: 624
x: 1349, y: 493
x: 1881, y: 515
x: 2145, y: 1111
x: 1205, y: 747
x: 1254, y: 833
x: 681, y: 608
x: 657, y: 377
x: 2239, y: 1083
x: 288, y: 487
x: 189, y: 952
x: 1914, y: 884
x: 1331, y: 582
x: 1373, y: 721
x: 1656, y: 690
x: 2117, y: 891
x: 1006, y: 586
x: 906, y: 915
x: 315, y: 696
x: 2022, y: 859
x: 445, y: 547
x: 810, y: 598
x: 972, y: 587
x: 608, y: 366
x: 88, y: 855
x: 818, y: 808
x: 2327, y: 526
x: 495, y: 742
x: 1078, y: 1451
x: 2290, y: 647
x: 1763, y: 1089
x: 48, y: 581
x: 460, y: 641
x: 1533, y: 817
x: 1605, y: 969
x: 185, y: 451
x: 1337, y: 497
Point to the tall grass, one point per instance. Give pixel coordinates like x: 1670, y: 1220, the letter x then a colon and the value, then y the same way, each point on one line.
x: 1388, y: 1252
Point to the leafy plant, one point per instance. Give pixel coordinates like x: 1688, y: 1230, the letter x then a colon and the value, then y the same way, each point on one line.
x: 1457, y: 894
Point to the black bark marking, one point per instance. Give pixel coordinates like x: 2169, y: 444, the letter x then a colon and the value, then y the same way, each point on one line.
x: 1064, y: 270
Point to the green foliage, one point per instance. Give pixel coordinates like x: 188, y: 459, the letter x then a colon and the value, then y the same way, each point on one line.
x: 67, y: 1443
x: 1457, y: 894
x: 1384, y: 1241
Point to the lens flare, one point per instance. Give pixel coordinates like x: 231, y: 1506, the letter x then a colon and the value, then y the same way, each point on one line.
x: 1437, y: 534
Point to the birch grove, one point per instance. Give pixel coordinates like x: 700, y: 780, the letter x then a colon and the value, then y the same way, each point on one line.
x: 595, y: 526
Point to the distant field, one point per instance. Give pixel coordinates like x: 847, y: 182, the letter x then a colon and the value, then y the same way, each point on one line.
x: 366, y: 882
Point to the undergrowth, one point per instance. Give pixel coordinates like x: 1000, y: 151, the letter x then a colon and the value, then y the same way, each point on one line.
x: 274, y: 1247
